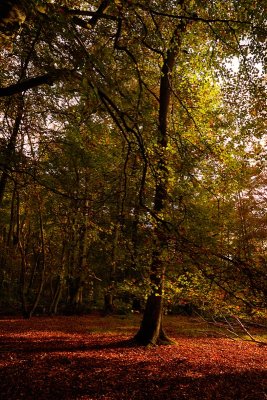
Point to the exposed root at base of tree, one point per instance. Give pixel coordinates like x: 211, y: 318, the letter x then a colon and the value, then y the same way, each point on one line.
x: 157, y: 340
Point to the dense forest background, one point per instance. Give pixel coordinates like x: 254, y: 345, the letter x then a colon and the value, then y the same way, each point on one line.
x: 133, y: 158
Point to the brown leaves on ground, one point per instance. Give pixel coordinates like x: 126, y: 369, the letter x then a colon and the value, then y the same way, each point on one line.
x: 92, y: 358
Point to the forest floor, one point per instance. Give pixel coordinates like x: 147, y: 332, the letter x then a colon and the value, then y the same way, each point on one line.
x: 91, y: 357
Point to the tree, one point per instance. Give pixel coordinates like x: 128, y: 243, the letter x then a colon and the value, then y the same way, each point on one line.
x: 156, y: 80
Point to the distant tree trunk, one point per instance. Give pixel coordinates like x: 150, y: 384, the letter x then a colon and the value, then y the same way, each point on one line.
x: 24, y: 266
x: 75, y: 299
x: 12, y: 218
x: 60, y: 282
x: 109, y: 294
x: 24, y: 308
x: 151, y: 329
x: 28, y: 307
x: 43, y: 267
x: 56, y: 297
x: 109, y: 306
x: 78, y: 260
x: 109, y: 302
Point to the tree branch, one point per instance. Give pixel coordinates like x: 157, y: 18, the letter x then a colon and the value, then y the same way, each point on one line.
x: 47, y: 79
x: 192, y: 17
x: 95, y: 16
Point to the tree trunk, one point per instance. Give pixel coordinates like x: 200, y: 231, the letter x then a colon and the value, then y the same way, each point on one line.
x: 60, y: 282
x: 43, y: 265
x: 151, y: 329
x: 56, y: 297
x: 24, y: 266
x: 75, y: 298
x: 10, y: 149
x: 109, y: 307
x: 24, y: 308
x: 109, y: 302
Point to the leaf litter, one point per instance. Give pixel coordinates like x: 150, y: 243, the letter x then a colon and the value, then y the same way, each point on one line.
x: 90, y: 358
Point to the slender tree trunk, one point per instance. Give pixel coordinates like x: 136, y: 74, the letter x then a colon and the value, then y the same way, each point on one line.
x: 56, y: 297
x: 23, y: 270
x: 27, y: 307
x: 24, y: 307
x: 21, y: 247
x: 79, y: 258
x: 43, y: 264
x: 60, y: 283
x: 109, y: 307
x: 151, y: 329
x: 109, y: 293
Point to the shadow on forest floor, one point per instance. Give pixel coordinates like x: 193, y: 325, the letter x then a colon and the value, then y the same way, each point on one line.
x: 41, y: 363
x: 51, y: 346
